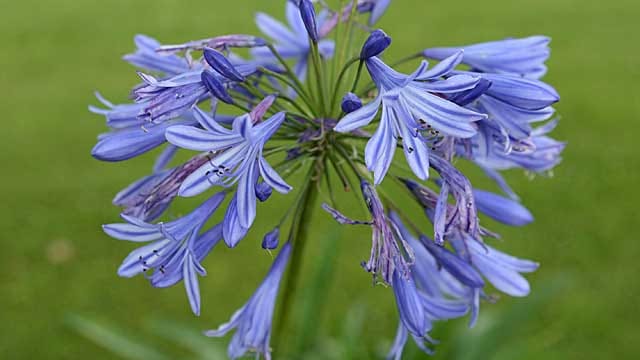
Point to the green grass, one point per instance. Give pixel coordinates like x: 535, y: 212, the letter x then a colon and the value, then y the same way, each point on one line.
x: 55, y: 260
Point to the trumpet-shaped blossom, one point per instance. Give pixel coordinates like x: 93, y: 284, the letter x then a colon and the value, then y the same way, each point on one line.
x: 253, y: 320
x: 409, y: 105
x: 239, y: 159
x: 175, y: 249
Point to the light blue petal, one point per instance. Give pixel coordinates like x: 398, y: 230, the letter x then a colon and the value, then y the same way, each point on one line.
x: 191, y: 284
x: 232, y: 231
x: 132, y: 232
x: 192, y: 138
x: 441, y: 114
x: 246, y: 196
x: 381, y: 148
x: 502, y: 209
x: 443, y: 68
x: 359, y: 118
x: 272, y: 178
x: 454, y: 84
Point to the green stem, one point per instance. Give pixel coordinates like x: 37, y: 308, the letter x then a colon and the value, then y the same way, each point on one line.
x: 301, y: 92
x: 298, y: 236
x: 343, y: 72
x: 355, y: 81
x: 317, y: 63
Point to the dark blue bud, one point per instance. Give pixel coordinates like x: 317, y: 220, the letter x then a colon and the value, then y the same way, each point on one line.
x: 271, y: 239
x: 220, y: 64
x: 467, y: 97
x: 263, y: 191
x: 350, y: 103
x: 215, y: 87
x: 377, y: 42
x: 308, y: 14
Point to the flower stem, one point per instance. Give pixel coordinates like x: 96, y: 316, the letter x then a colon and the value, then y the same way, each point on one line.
x: 298, y: 236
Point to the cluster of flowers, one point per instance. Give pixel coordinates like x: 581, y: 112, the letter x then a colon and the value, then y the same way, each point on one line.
x: 477, y: 103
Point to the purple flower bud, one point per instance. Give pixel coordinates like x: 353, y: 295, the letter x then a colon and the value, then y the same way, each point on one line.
x: 220, y: 64
x: 377, y: 42
x: 308, y: 14
x: 271, y: 239
x: 215, y: 87
x: 350, y: 103
x: 263, y: 191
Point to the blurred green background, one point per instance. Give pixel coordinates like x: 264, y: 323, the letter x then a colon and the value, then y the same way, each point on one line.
x: 56, y: 264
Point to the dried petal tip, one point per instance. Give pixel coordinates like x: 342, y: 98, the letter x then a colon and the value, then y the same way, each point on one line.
x: 215, y: 87
x: 377, y: 42
x: 350, y: 103
x: 271, y: 239
x: 220, y: 64
x: 308, y: 14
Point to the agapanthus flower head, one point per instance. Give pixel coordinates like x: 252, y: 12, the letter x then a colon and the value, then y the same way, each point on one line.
x: 245, y: 131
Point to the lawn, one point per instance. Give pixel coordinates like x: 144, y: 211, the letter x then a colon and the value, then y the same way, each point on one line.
x: 56, y: 263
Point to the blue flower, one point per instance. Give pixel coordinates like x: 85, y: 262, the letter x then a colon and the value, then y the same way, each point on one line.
x: 502, y: 209
x: 541, y: 153
x: 441, y: 296
x: 148, y: 58
x: 513, y: 103
x: 175, y: 250
x: 501, y: 270
x: 408, y: 106
x: 237, y: 159
x: 523, y: 57
x: 253, y: 320
x: 290, y: 43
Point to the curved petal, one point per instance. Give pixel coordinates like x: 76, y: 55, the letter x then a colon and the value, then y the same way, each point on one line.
x: 132, y: 232
x: 454, y: 84
x: 232, y: 231
x: 443, y: 115
x: 246, y: 196
x: 381, y: 147
x: 502, y: 209
x: 443, y: 68
x: 191, y: 285
x: 415, y: 150
x: 192, y: 138
x: 359, y: 118
x: 272, y: 178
